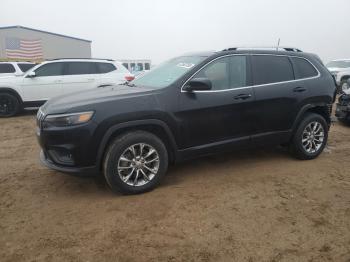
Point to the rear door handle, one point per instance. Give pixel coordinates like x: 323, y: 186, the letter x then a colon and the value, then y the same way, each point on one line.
x: 299, y: 89
x: 91, y: 79
x: 58, y: 81
x: 243, y: 96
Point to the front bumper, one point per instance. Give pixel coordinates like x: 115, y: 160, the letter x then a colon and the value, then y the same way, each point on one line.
x: 84, y: 171
x: 69, y: 149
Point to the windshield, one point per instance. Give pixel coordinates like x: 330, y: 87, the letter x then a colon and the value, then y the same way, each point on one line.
x: 339, y: 64
x: 168, y: 72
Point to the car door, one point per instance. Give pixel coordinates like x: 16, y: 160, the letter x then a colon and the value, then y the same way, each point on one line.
x: 44, y: 84
x: 222, y: 114
x: 79, y: 76
x: 276, y: 98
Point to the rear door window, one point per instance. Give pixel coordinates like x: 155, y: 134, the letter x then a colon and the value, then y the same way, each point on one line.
x: 269, y: 69
x: 80, y: 68
x: 303, y: 68
x: 7, y: 68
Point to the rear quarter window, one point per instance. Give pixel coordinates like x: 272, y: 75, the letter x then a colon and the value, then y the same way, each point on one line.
x: 25, y: 67
x: 269, y: 69
x: 104, y: 68
x: 303, y: 68
x: 7, y: 68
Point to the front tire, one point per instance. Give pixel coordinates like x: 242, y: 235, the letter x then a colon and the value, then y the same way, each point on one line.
x: 135, y: 162
x: 310, y: 138
x: 9, y: 105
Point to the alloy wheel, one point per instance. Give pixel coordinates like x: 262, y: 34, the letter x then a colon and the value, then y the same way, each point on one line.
x: 138, y: 164
x: 313, y: 137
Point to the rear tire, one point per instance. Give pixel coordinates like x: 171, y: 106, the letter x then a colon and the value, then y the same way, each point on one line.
x: 310, y: 138
x: 9, y: 105
x: 135, y: 162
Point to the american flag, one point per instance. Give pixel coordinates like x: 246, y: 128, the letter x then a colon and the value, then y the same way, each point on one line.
x: 29, y: 49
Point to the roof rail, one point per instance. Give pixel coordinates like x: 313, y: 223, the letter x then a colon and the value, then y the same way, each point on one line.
x: 276, y: 48
x: 79, y: 58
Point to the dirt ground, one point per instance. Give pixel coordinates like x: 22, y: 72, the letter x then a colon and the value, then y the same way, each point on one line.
x: 243, y: 206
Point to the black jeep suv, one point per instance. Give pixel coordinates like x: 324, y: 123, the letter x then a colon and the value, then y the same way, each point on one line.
x: 189, y: 106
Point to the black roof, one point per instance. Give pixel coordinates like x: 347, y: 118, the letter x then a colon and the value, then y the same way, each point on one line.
x: 45, y: 32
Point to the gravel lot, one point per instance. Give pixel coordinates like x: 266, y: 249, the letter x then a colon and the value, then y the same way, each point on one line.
x: 243, y: 206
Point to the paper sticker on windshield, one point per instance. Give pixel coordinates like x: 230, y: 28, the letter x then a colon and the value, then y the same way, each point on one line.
x: 185, y: 65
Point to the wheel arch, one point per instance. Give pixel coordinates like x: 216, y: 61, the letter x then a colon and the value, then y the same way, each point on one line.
x: 13, y: 92
x: 322, y: 109
x: 154, y: 126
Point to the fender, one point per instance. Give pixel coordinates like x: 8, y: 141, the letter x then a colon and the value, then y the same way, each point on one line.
x: 134, y: 123
x: 12, y: 91
x: 303, y: 110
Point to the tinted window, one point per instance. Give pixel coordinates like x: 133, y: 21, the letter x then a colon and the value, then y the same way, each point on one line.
x: 218, y: 73
x: 7, y: 68
x: 104, y: 68
x: 25, y: 67
x: 303, y: 68
x: 147, y: 66
x: 132, y: 66
x: 80, y: 68
x: 51, y: 69
x: 271, y: 69
x: 238, y: 71
x: 126, y: 65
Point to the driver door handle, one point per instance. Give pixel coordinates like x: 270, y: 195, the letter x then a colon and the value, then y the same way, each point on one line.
x: 299, y: 89
x: 243, y: 96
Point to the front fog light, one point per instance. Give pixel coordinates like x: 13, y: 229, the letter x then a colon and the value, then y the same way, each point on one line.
x: 62, y: 120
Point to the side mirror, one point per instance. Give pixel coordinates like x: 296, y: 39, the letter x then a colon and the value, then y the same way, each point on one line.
x: 198, y: 84
x: 31, y: 74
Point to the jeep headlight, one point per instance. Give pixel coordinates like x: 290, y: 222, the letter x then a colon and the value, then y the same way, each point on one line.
x: 61, y: 120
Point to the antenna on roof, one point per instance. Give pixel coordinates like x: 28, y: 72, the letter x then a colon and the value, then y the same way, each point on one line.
x: 278, y: 44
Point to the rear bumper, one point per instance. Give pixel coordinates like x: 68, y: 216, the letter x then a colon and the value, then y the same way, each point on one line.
x: 85, y: 171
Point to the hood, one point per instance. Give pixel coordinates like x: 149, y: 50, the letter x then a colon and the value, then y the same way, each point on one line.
x: 63, y: 104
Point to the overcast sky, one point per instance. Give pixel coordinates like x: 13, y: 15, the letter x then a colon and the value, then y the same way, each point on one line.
x: 161, y: 29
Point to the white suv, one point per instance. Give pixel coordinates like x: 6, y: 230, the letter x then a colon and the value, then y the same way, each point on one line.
x: 57, y: 77
x: 14, y: 68
x: 340, y: 69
